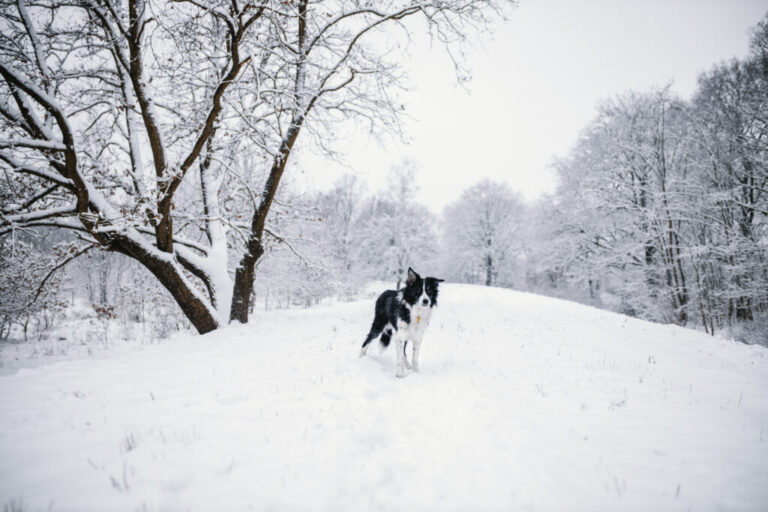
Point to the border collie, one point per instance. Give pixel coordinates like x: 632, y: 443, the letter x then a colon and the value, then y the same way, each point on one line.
x: 405, y: 314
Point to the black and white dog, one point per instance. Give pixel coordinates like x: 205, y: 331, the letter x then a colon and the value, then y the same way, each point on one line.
x: 405, y: 315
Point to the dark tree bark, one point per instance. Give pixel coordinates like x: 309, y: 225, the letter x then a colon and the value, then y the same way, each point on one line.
x: 488, y: 270
x: 244, y: 274
x: 172, y: 278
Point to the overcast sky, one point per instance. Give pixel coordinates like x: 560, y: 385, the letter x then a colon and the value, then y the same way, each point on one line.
x: 535, y: 85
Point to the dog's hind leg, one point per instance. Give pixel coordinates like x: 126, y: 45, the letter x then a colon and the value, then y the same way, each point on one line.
x: 386, y: 336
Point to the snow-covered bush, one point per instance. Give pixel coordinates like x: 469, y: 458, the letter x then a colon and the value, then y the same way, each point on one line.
x: 30, y: 287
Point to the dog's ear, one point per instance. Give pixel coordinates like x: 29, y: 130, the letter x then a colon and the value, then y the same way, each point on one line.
x: 412, y: 276
x: 439, y: 280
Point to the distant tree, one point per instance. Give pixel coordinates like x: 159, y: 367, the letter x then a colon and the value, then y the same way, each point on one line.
x: 623, y: 191
x: 393, y: 231
x: 730, y: 119
x: 482, y: 240
x: 340, y: 207
x: 663, y: 204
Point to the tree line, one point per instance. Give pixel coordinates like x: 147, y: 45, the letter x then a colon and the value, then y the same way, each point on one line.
x: 663, y: 202
x: 150, y: 138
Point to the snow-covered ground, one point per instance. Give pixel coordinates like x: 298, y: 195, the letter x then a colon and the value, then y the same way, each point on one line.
x: 523, y: 403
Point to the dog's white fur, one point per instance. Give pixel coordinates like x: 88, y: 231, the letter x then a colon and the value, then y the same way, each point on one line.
x: 413, y: 332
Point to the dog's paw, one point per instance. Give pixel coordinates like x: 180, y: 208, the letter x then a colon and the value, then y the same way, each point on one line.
x: 400, y: 375
x: 407, y: 365
x: 416, y: 367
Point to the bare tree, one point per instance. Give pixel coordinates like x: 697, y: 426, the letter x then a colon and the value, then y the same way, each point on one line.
x: 731, y: 128
x: 138, y: 124
x: 482, y: 234
x: 664, y: 201
x: 393, y: 231
x: 624, y: 192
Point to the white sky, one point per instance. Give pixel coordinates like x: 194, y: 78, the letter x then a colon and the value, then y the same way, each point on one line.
x: 535, y: 85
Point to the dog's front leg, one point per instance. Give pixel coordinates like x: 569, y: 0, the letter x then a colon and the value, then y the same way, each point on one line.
x: 400, y: 340
x: 405, y: 355
x: 416, y: 350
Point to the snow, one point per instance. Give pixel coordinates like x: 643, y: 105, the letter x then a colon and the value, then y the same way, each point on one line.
x: 215, y: 264
x: 36, y: 46
x: 42, y: 214
x: 523, y: 403
x: 30, y: 88
x: 37, y: 172
x: 33, y: 143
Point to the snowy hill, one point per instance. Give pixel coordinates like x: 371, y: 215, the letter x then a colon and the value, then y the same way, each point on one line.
x: 523, y: 403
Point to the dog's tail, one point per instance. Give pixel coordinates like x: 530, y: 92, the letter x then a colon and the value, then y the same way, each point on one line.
x: 379, y: 321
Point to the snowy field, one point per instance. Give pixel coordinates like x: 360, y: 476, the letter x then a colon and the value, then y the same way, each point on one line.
x: 523, y: 403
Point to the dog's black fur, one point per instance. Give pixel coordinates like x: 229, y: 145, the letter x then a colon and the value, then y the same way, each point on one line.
x: 393, y: 308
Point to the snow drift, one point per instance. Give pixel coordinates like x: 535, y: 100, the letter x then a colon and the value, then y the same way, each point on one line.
x: 523, y: 402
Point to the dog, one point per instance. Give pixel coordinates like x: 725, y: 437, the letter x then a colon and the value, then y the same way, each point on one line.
x: 404, y: 314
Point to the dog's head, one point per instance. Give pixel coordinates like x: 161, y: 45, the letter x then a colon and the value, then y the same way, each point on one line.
x: 421, y: 292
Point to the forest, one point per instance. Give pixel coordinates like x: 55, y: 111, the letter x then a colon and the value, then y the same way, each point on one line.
x: 146, y: 175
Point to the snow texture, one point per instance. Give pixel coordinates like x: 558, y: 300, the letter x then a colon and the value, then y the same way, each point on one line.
x: 523, y: 403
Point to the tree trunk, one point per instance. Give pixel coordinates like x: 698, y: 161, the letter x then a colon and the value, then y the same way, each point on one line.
x: 488, y: 270
x: 241, y: 294
x: 171, y: 276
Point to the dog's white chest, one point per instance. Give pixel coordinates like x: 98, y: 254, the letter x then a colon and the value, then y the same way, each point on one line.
x: 419, y: 320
